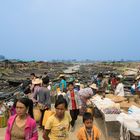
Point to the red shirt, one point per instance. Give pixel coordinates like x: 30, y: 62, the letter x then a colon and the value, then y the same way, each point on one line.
x: 73, y: 100
x: 113, y: 82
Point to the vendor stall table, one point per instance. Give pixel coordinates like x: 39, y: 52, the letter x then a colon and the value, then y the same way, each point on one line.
x: 107, y: 119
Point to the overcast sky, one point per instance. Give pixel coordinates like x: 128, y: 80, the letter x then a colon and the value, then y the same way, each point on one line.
x: 70, y: 29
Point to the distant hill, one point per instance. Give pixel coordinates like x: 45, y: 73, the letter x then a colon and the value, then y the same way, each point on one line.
x: 2, y: 57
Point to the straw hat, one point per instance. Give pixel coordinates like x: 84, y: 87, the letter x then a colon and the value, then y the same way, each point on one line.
x: 94, y: 86
x: 107, y: 76
x: 77, y: 84
x: 61, y: 75
x: 37, y: 81
x: 120, y: 76
x: 76, y: 80
x: 50, y: 83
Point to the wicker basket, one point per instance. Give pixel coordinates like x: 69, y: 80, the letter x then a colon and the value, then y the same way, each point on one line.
x: 132, y: 99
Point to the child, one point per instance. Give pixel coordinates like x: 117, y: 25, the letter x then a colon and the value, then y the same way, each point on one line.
x: 74, y: 103
x: 88, y: 131
x: 57, y: 126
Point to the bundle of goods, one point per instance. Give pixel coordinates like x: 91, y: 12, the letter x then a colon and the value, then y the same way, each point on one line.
x: 98, y: 101
x: 125, y: 105
x: 118, y: 99
x: 135, y: 111
x: 104, y: 103
x: 110, y: 96
x: 109, y: 104
x: 112, y: 111
x: 138, y: 101
x: 132, y: 99
x: 86, y: 92
x: 37, y: 113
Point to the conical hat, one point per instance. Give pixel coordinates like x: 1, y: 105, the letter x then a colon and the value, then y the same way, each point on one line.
x: 94, y: 86
x: 61, y: 75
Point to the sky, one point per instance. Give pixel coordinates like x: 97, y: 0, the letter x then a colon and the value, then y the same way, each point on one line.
x: 70, y: 29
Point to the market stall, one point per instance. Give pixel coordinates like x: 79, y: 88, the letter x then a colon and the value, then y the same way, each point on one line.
x: 130, y: 124
x: 120, y: 110
x: 109, y: 111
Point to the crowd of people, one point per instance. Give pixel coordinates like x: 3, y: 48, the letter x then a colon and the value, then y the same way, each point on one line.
x: 70, y: 101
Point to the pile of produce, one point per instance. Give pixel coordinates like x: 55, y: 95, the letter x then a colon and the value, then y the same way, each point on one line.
x: 125, y: 105
x: 110, y: 96
x: 112, y: 111
x: 118, y: 99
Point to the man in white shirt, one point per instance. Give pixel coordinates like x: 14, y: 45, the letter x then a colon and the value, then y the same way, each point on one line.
x: 120, y: 88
